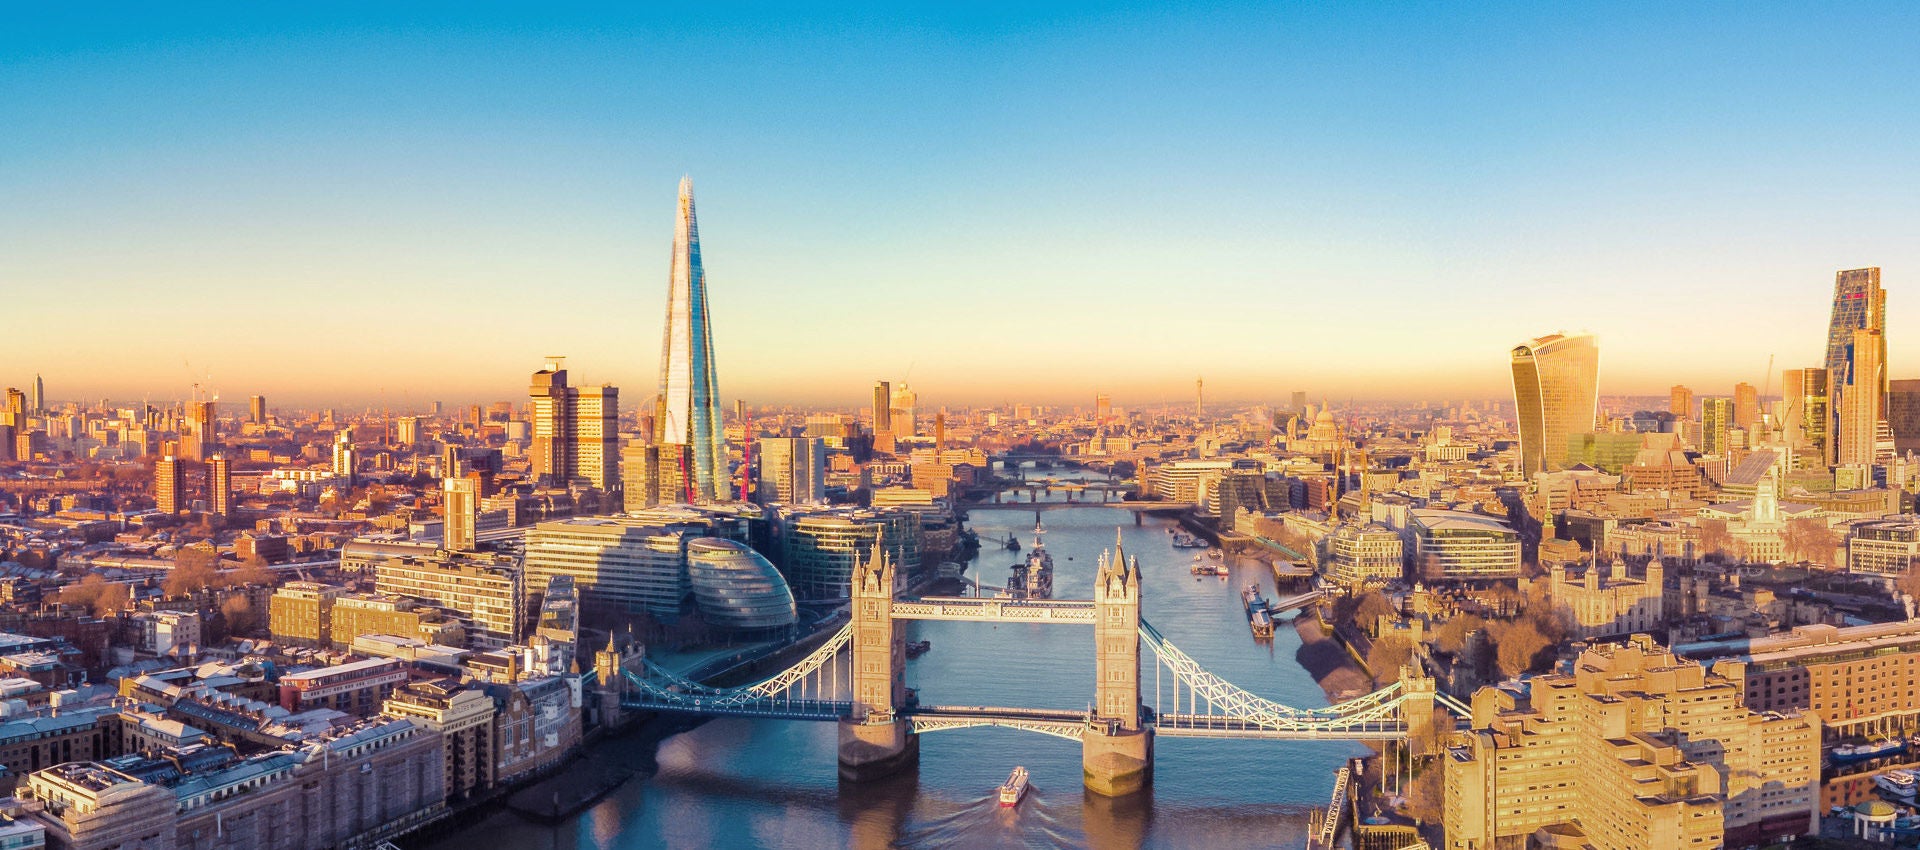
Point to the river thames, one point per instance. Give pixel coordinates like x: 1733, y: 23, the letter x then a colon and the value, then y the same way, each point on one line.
x: 767, y: 783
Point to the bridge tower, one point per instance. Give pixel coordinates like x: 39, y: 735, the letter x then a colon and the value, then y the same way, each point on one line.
x: 1116, y: 751
x: 610, y: 666
x: 1416, y: 707
x: 872, y: 743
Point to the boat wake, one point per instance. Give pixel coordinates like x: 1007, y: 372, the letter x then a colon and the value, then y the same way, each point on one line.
x: 984, y: 822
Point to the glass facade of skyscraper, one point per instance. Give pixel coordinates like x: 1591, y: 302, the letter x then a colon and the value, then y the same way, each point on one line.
x: 1555, y: 395
x: 689, y: 385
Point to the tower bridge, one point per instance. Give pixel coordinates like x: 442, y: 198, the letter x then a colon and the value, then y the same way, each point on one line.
x: 857, y: 679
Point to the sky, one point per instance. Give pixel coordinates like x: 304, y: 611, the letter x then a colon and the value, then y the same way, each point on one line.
x: 388, y: 204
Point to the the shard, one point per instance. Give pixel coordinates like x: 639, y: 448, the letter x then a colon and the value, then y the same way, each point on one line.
x: 689, y: 413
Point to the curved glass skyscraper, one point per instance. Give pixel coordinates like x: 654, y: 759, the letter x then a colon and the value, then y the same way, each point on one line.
x: 689, y: 413
x: 1556, y: 394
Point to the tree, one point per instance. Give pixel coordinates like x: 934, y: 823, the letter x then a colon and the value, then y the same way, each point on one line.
x: 1808, y: 539
x: 1715, y: 540
x: 1909, y: 581
x: 1373, y: 605
x: 1428, y: 793
x: 94, y: 592
x: 1387, y: 655
x: 1519, y: 643
x: 1451, y: 637
x: 241, y: 618
x: 251, y: 575
x: 189, y: 575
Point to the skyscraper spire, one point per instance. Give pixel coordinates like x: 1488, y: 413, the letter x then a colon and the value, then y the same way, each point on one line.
x: 689, y: 385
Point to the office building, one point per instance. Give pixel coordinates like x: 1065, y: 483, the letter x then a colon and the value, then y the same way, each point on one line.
x: 1808, y: 417
x: 1463, y: 546
x: 689, y: 382
x: 1634, y: 748
x: 1903, y: 414
x: 737, y: 590
x: 1102, y: 408
x: 1365, y: 553
x: 1716, y: 426
x: 793, y: 470
x: 1859, y: 304
x: 257, y: 409
x: 1556, y: 395
x: 38, y: 403
x: 1746, y: 405
x: 905, y: 414
x: 169, y: 485
x: 882, y: 407
x: 220, y: 486
x: 596, y: 437
x: 1860, y: 390
x: 618, y: 564
x: 819, y: 547
x: 1680, y: 402
x: 1883, y: 547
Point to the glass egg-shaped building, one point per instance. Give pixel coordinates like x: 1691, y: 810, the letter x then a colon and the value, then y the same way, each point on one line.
x: 737, y: 590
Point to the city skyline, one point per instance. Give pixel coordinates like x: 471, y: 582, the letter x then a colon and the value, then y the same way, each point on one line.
x: 1342, y: 180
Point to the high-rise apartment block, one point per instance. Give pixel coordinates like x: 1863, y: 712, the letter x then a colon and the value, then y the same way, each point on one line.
x: 689, y: 411
x: 460, y: 500
x: 344, y: 462
x: 220, y: 485
x: 1634, y: 748
x: 169, y: 485
x: 1556, y: 395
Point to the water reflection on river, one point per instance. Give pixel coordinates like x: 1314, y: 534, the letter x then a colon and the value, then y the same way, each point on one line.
x: 745, y: 783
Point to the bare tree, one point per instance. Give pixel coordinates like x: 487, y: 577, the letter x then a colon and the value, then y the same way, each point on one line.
x: 1519, y: 642
x: 1451, y: 637
x: 1387, y: 655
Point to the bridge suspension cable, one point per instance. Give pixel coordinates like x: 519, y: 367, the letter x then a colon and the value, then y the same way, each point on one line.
x: 663, y: 686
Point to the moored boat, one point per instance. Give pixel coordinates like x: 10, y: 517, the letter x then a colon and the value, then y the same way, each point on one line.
x: 1871, y: 750
x: 1898, y: 782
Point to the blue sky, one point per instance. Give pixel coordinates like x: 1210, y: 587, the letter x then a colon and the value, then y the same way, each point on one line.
x: 358, y: 203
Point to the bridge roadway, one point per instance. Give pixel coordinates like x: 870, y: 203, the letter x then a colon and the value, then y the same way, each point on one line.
x: 1059, y: 723
x: 1150, y: 507
x: 995, y: 609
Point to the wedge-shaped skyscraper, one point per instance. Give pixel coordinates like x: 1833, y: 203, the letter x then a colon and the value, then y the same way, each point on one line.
x: 689, y: 411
